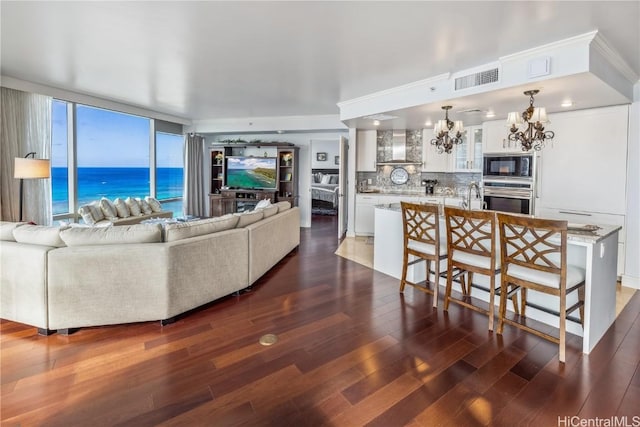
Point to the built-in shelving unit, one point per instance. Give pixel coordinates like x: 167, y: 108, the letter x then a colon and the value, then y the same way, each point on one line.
x: 224, y: 199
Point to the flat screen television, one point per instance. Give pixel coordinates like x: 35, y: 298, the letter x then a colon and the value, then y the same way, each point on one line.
x: 251, y: 172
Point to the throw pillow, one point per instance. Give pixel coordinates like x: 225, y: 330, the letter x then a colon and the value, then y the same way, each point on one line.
x: 333, y: 179
x: 108, y: 209
x: 91, y: 213
x: 133, y: 206
x: 326, y: 179
x: 39, y: 235
x: 121, y: 208
x: 263, y: 204
x: 124, y: 234
x: 144, y: 206
x: 248, y: 218
x: 154, y: 203
x: 6, y: 230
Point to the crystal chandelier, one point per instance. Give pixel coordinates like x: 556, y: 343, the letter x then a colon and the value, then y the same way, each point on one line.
x: 447, y: 133
x: 534, y: 136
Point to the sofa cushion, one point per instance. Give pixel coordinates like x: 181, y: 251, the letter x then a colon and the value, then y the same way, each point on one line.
x: 108, y: 209
x: 91, y: 213
x: 270, y: 211
x: 184, y: 230
x: 39, y: 235
x: 134, y: 207
x: 138, y: 233
x: 121, y: 208
x: 144, y: 206
x: 249, y: 217
x: 283, y: 206
x: 154, y: 204
x: 6, y: 230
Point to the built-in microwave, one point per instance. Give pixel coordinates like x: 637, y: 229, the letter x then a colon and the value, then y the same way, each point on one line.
x: 508, y: 165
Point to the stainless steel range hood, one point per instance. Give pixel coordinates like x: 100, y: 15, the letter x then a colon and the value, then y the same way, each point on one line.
x: 399, y: 150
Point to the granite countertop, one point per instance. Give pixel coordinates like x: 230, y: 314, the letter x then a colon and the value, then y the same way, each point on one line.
x: 573, y: 234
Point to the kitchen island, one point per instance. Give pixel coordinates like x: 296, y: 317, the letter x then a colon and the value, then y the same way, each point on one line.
x: 596, y: 252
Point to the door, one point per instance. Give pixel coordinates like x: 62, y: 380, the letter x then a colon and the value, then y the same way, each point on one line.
x: 343, y: 187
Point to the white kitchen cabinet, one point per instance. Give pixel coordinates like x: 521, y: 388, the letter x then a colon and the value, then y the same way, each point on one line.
x: 366, y: 150
x: 432, y: 161
x: 467, y: 157
x: 365, y: 209
x: 584, y: 168
x: 495, y: 138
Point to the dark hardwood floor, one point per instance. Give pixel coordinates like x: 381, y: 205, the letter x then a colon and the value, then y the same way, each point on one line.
x: 352, y: 351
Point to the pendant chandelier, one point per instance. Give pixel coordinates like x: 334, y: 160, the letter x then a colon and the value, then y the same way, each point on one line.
x: 447, y: 133
x: 534, y: 118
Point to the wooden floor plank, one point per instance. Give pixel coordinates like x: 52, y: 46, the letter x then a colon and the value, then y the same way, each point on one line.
x: 352, y: 351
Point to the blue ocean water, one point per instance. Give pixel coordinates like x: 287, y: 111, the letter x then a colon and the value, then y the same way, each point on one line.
x: 95, y: 183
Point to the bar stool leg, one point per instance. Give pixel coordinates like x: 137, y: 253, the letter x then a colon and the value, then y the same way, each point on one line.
x: 436, y: 284
x: 503, y: 304
x: 447, y: 292
x: 492, y: 295
x: 405, y: 264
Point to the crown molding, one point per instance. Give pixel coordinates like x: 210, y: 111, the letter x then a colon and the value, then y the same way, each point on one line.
x: 583, y: 39
x: 601, y: 45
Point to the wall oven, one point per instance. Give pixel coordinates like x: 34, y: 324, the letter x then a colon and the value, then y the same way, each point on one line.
x: 508, y: 166
x: 515, y: 196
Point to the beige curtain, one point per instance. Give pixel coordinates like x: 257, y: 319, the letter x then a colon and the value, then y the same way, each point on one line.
x: 194, y: 190
x: 25, y: 126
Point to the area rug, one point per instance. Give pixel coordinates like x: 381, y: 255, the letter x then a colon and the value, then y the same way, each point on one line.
x: 324, y: 211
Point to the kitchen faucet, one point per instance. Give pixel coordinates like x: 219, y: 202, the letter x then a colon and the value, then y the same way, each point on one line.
x: 467, y: 204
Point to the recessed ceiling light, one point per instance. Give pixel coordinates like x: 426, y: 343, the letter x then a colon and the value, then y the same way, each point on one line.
x: 567, y: 103
x: 490, y: 114
x: 376, y: 123
x: 428, y: 123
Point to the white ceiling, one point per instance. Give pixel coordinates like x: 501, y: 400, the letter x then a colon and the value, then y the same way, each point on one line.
x: 210, y: 60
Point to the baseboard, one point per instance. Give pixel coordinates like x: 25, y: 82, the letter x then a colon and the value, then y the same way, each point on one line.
x: 631, y: 282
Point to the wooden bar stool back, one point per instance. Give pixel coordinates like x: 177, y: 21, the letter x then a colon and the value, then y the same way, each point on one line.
x: 421, y: 229
x: 534, y: 258
x: 471, y: 248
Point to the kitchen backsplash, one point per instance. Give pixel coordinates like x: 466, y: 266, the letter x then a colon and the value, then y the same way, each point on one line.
x: 381, y: 178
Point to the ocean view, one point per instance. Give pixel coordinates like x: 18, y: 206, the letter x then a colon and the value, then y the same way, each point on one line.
x: 95, y: 183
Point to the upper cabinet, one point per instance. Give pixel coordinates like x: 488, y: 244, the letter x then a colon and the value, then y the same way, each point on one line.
x: 495, y: 138
x: 467, y: 157
x: 366, y: 150
x: 432, y: 161
x: 584, y: 167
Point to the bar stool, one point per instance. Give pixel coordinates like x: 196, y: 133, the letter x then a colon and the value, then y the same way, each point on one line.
x: 534, y: 257
x: 471, y: 248
x: 421, y: 226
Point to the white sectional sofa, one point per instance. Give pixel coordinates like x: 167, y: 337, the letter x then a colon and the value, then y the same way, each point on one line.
x: 67, y: 278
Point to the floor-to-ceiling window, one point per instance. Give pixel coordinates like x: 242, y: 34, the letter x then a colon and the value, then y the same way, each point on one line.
x: 169, y: 171
x: 103, y: 153
x: 59, y: 157
x: 113, y: 154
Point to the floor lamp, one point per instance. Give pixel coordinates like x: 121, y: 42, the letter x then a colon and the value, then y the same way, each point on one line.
x: 28, y: 167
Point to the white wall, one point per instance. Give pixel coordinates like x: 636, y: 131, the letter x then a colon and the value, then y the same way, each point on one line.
x: 329, y: 146
x: 631, y: 276
x: 301, y: 140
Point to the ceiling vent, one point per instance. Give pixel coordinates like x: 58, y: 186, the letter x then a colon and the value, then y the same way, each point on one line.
x: 477, y: 79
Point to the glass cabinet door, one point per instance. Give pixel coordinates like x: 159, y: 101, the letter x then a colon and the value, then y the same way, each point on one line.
x: 461, y: 152
x: 476, y: 142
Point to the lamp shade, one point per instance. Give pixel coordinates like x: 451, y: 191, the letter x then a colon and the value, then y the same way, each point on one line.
x: 27, y: 168
x: 539, y: 115
x: 514, y: 119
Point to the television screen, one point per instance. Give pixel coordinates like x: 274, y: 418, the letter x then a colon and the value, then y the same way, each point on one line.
x: 251, y: 172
